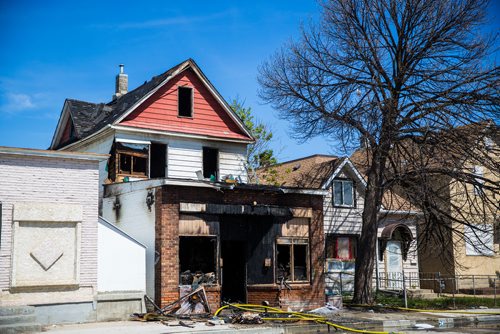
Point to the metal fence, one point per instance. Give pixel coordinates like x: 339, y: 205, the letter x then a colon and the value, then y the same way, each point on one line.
x: 342, y: 283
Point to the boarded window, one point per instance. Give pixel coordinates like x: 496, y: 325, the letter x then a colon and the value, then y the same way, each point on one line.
x: 479, y: 239
x: 197, y: 257
x: 185, y: 106
x: 210, y: 163
x: 343, y: 193
x: 292, y: 259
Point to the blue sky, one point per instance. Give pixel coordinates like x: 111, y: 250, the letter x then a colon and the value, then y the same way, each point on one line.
x: 52, y: 50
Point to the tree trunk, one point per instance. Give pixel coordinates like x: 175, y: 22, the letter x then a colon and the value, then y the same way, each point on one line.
x: 367, y: 245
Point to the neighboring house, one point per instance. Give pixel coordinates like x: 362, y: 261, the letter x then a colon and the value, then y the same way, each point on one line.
x: 343, y: 206
x: 49, y: 254
x: 463, y: 254
x: 470, y: 259
x: 175, y: 181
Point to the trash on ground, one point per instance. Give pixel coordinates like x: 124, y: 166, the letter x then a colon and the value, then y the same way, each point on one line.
x: 423, y: 326
x: 191, y: 303
x: 247, y: 318
x: 325, y: 310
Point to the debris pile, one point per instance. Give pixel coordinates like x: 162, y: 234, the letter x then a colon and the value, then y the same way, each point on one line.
x: 191, y: 303
x: 198, y: 278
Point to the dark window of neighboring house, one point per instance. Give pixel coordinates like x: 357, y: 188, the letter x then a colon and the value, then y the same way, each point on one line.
x: 132, y: 159
x: 343, y: 193
x: 197, y: 259
x: 292, y: 259
x: 185, y: 101
x: 158, y: 160
x: 210, y: 162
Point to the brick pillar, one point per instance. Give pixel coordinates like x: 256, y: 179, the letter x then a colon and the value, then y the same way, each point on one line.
x: 167, y: 244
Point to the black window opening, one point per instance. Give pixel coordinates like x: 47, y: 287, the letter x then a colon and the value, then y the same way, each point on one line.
x: 158, y: 160
x: 185, y: 100
x: 197, y: 257
x: 210, y: 163
x: 292, y: 263
x: 343, y: 193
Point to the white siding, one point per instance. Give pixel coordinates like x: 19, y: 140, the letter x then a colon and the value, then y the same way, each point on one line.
x: 339, y: 220
x: 121, y: 261
x: 186, y: 157
x: 101, y: 145
x: 135, y: 219
x: 50, y: 180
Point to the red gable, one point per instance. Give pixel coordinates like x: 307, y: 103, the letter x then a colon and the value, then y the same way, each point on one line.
x: 159, y: 112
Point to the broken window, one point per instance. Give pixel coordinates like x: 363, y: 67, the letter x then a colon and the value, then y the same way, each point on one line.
x: 343, y: 194
x: 210, y: 163
x: 197, y: 256
x: 185, y: 101
x: 292, y: 259
x: 132, y: 159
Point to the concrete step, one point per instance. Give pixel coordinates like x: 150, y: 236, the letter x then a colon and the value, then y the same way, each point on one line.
x: 16, y: 310
x: 20, y: 328
x: 422, y: 293
x: 17, y: 319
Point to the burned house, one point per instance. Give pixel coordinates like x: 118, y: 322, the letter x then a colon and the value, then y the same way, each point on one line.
x: 175, y: 181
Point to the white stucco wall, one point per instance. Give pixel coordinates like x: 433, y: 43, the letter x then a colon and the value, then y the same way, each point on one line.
x: 59, y: 182
x: 121, y: 261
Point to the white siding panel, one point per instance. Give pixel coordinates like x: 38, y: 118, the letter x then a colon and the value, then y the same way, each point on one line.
x: 121, y: 262
x: 135, y: 219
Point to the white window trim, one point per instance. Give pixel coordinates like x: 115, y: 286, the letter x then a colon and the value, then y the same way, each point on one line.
x: 352, y: 193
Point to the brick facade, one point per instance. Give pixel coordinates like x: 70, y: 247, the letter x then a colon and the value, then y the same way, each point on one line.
x: 36, y: 179
x: 168, y: 199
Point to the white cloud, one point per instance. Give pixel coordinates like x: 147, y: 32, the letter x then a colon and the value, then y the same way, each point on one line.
x: 178, y: 20
x: 16, y: 102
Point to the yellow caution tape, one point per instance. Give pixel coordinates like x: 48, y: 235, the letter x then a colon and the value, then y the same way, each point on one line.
x: 296, y: 316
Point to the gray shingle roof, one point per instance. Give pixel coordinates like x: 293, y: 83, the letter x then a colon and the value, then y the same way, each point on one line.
x: 90, y: 117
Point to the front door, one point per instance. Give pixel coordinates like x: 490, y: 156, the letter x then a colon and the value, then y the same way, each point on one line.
x: 394, y: 265
x: 234, y: 274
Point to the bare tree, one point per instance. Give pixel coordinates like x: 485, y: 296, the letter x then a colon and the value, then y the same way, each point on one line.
x: 390, y: 73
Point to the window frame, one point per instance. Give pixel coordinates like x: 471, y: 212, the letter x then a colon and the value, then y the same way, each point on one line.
x: 291, y: 241
x: 191, y: 115
x: 338, y: 264
x: 342, y: 182
x: 120, y: 172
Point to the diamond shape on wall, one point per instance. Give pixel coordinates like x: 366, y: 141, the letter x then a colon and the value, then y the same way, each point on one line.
x: 46, y: 255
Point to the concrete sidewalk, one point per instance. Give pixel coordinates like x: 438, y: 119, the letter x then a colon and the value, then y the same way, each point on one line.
x: 389, y: 321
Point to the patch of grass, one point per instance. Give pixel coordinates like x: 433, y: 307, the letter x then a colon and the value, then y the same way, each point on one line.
x: 440, y: 303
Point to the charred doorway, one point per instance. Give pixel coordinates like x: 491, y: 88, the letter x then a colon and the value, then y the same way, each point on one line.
x: 246, y: 249
x: 234, y: 270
